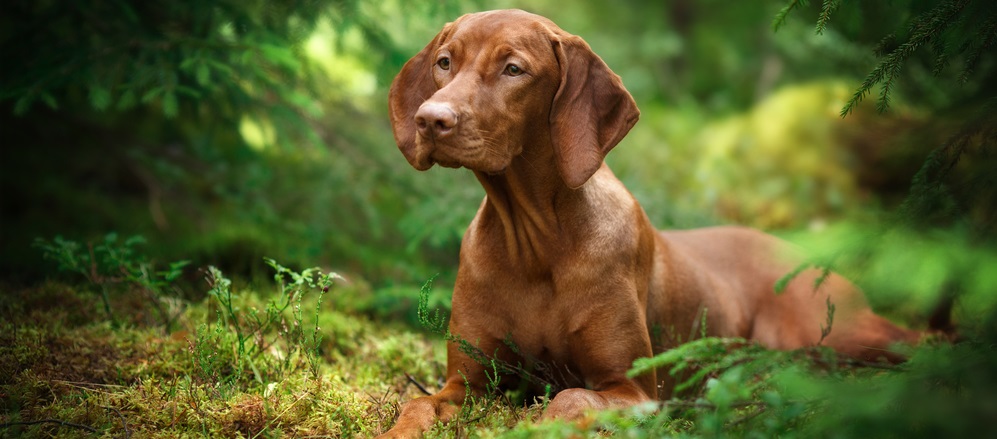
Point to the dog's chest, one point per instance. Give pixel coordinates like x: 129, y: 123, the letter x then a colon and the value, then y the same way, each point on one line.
x: 536, y: 333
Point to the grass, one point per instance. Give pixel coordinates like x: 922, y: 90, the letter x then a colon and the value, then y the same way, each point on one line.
x: 61, y: 361
x: 68, y: 370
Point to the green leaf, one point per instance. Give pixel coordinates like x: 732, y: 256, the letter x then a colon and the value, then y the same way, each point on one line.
x: 152, y: 94
x: 100, y: 97
x: 49, y: 100
x: 188, y: 91
x: 170, y: 105
x: 127, y: 100
x: 135, y: 240
x: 23, y: 104
x: 780, y: 285
x: 281, y: 56
x: 202, y: 74
x: 221, y: 67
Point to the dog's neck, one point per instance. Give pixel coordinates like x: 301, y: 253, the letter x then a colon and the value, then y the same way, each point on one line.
x: 523, y: 199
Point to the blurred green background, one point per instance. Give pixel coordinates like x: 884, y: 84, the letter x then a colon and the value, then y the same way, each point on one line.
x: 224, y: 132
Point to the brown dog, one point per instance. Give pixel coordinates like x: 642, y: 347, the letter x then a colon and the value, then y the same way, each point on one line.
x: 560, y: 258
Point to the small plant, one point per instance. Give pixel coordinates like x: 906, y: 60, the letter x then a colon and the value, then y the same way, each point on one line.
x: 280, y: 330
x: 113, y: 263
x: 825, y: 330
x: 825, y: 272
x: 434, y: 322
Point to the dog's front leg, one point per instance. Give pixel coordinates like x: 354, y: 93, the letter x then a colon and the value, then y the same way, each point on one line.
x: 420, y: 414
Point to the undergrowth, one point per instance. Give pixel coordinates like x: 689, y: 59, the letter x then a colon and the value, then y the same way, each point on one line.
x: 239, y: 362
x: 296, y: 357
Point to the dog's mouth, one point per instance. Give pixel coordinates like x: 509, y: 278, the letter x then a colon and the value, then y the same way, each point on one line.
x: 470, y: 157
x: 448, y: 163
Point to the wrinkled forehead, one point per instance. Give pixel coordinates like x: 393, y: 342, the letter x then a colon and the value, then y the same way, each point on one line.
x: 513, y: 28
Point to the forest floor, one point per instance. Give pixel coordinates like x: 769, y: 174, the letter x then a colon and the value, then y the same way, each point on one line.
x: 67, y: 371
x: 295, y: 360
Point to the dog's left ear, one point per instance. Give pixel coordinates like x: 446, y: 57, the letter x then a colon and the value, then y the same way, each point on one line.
x: 591, y: 113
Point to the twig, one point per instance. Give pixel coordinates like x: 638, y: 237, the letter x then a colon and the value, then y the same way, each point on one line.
x: 87, y: 386
x: 417, y: 384
x: 128, y: 433
x: 50, y: 421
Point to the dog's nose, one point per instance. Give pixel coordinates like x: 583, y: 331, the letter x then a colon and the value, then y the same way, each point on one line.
x: 435, y: 120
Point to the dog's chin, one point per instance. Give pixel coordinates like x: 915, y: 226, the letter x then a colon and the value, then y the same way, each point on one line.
x: 489, y: 165
x: 486, y: 168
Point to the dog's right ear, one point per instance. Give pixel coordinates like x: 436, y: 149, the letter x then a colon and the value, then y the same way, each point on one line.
x: 413, y: 86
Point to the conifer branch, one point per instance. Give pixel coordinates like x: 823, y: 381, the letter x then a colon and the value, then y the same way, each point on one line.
x: 988, y: 36
x: 885, y: 45
x: 780, y: 17
x: 923, y: 30
x: 826, y: 10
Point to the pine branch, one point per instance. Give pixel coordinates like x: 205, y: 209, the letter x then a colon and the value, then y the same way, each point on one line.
x: 884, y: 96
x: 927, y: 187
x: 780, y: 17
x: 941, y: 50
x: 885, y: 45
x: 988, y: 36
x: 923, y: 30
x: 826, y: 10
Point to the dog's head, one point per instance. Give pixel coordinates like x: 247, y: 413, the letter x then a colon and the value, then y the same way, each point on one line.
x: 492, y: 83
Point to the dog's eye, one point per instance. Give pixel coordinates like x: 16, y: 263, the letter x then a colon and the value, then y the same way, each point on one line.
x: 513, y: 70
x: 444, y: 63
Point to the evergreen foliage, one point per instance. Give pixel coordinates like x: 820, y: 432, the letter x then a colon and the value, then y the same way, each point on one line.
x: 948, y: 29
x: 221, y: 131
x: 217, y: 58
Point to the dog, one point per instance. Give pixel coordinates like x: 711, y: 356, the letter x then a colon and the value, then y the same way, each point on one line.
x: 560, y: 258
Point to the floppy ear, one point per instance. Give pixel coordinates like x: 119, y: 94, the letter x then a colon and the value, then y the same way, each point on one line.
x: 591, y: 113
x: 413, y: 86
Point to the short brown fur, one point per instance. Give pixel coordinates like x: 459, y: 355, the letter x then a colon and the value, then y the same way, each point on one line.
x: 561, y: 257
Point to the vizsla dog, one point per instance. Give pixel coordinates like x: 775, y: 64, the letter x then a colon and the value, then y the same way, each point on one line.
x: 561, y: 259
